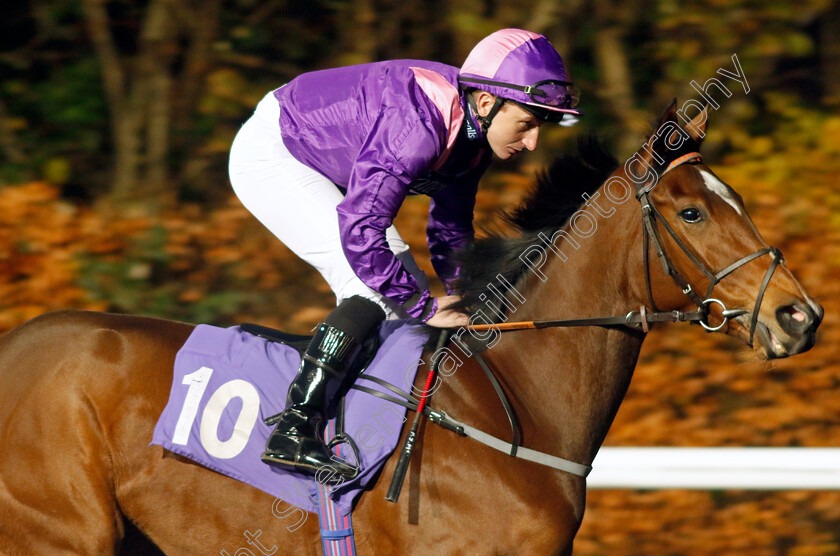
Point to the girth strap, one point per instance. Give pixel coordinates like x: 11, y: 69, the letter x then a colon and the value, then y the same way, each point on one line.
x: 523, y: 453
x: 443, y: 420
x: 337, y: 538
x: 515, y: 428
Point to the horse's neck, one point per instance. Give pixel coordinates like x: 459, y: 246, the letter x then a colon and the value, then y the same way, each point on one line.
x: 569, y: 382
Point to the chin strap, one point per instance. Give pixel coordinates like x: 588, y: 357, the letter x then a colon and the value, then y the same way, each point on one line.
x: 484, y: 121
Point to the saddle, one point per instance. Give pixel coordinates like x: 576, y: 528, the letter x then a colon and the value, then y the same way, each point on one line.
x: 297, y: 341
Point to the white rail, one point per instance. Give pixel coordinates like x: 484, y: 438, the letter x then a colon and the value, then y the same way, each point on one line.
x: 717, y: 468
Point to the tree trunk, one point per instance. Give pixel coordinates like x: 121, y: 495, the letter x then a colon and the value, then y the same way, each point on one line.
x: 201, y: 18
x: 126, y: 123
x: 360, y: 37
x: 829, y: 48
x: 616, y: 89
x: 9, y: 146
x: 547, y: 14
x: 125, y: 120
x: 140, y: 88
x: 157, y: 50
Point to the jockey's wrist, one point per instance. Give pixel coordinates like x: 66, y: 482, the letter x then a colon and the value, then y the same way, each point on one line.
x: 432, y: 309
x: 421, y: 306
x: 449, y: 282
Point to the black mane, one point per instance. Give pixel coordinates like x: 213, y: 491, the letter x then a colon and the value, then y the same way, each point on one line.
x: 557, y: 195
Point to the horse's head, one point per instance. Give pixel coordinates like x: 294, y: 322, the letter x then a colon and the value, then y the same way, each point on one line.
x: 712, y: 253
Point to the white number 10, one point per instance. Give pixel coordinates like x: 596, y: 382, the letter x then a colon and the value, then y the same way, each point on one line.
x: 210, y: 417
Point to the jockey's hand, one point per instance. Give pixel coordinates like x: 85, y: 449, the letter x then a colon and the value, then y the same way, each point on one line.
x: 445, y: 317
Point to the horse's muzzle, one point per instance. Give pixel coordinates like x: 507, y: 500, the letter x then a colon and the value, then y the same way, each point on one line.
x: 797, y: 326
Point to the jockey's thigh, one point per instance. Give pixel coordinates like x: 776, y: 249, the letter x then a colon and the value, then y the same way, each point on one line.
x: 298, y: 205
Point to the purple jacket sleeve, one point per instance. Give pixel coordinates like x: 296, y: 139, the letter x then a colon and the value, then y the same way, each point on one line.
x: 451, y: 222
x: 400, y: 146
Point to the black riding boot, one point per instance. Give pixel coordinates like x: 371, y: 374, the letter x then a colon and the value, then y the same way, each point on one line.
x: 297, y: 442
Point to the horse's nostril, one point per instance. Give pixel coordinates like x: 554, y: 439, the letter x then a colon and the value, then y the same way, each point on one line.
x: 795, y: 318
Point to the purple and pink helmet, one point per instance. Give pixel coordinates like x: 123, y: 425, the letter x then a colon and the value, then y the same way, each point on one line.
x: 521, y: 66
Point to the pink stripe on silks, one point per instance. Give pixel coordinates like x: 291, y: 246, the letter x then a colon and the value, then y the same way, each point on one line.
x: 446, y: 98
x: 498, y: 46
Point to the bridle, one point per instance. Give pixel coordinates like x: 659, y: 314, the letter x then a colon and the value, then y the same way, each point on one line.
x: 650, y: 217
x: 642, y: 317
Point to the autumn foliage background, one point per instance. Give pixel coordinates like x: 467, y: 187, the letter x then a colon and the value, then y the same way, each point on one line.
x: 175, y: 243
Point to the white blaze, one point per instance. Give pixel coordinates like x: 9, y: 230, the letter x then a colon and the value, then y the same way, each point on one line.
x: 721, y: 189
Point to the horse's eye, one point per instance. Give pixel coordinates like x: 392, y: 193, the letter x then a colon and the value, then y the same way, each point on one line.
x: 691, y: 215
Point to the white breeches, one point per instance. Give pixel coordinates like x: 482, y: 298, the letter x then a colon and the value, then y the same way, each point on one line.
x: 298, y: 205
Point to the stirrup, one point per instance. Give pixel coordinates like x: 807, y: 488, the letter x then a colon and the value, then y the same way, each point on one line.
x: 299, y: 458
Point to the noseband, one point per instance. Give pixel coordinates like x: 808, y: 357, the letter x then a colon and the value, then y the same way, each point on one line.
x: 650, y: 217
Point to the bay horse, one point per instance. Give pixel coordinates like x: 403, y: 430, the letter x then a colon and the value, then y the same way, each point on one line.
x: 81, y: 391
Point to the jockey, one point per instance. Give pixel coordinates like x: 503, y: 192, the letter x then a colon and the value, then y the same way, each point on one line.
x: 325, y: 163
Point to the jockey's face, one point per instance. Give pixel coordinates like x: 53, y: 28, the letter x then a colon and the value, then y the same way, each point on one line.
x: 512, y: 129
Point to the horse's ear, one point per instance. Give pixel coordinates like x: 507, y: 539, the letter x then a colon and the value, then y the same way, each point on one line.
x: 667, y: 141
x: 667, y: 136
x: 696, y: 128
x: 669, y: 114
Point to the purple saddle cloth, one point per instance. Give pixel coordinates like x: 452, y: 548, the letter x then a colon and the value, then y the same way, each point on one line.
x: 226, y: 381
